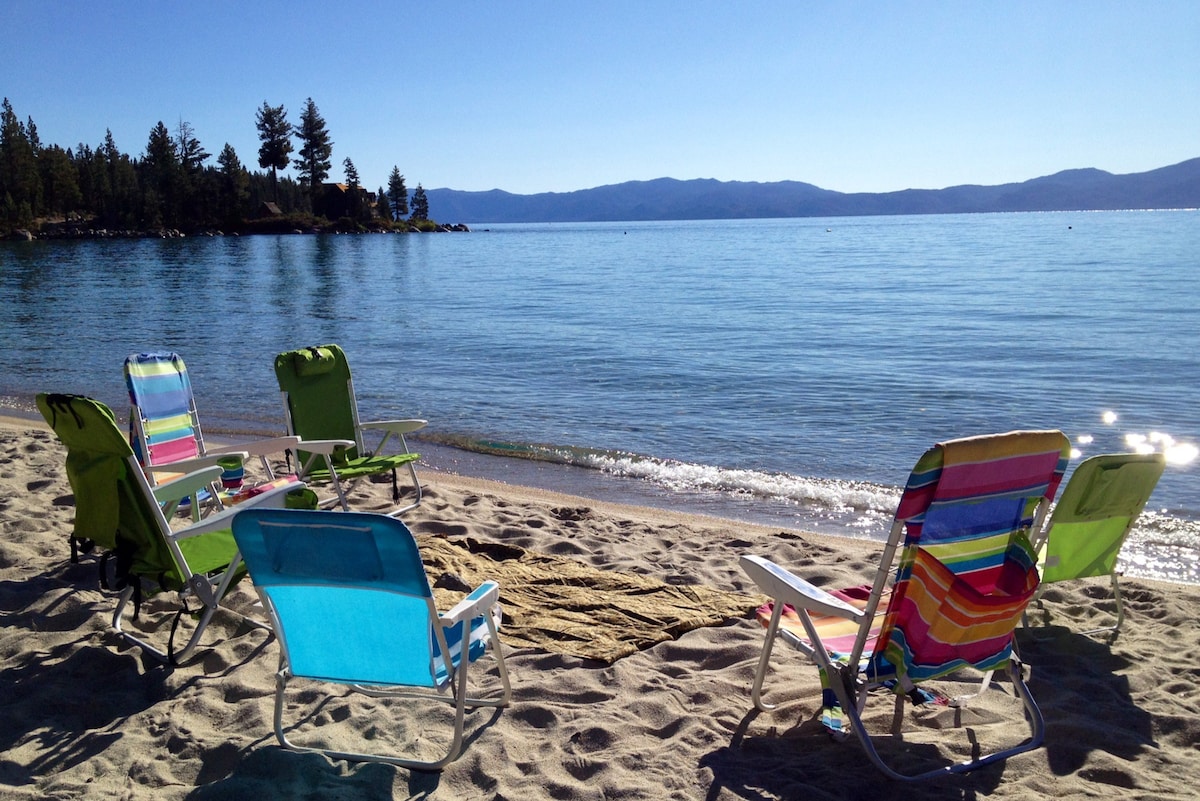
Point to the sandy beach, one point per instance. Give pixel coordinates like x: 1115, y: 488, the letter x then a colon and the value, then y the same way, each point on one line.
x: 86, y: 716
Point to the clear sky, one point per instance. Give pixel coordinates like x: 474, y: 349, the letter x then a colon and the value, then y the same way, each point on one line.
x: 567, y: 94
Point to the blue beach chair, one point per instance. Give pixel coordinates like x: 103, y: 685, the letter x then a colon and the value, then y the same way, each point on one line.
x: 350, y: 604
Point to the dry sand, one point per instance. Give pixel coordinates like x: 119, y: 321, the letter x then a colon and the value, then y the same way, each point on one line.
x: 86, y: 716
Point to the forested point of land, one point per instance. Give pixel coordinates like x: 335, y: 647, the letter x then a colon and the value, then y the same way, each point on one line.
x: 173, y: 187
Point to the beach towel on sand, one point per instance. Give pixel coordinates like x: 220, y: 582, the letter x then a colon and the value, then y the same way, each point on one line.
x: 565, y: 606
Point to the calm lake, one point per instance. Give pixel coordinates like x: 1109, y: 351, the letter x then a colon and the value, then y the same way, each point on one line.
x: 780, y: 371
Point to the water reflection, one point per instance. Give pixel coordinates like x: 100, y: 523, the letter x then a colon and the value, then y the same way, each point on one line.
x: 1175, y: 452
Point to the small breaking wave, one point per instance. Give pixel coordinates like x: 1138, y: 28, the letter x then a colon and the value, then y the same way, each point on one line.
x: 822, y: 497
x: 1162, y: 546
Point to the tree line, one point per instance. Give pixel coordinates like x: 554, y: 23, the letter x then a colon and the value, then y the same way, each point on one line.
x: 172, y: 186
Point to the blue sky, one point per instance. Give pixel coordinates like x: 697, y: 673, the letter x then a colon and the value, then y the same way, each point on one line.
x: 557, y: 96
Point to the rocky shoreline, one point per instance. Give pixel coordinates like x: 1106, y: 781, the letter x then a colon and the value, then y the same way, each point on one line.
x: 27, y: 235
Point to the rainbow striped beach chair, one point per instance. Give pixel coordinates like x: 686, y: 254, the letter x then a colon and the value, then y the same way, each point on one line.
x: 965, y: 574
x: 164, y: 429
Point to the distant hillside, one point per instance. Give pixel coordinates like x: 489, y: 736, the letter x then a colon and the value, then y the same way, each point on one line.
x: 1172, y: 187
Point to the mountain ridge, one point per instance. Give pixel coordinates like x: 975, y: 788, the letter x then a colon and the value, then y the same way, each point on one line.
x: 1083, y: 189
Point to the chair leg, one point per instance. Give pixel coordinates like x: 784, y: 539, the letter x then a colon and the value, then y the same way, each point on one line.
x: 452, y: 750
x: 412, y: 471
x: 1033, y: 715
x: 207, y: 592
x: 1120, y: 604
x: 764, y: 658
x: 170, y: 656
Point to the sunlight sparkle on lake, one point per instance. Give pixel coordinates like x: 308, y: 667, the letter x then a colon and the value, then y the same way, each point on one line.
x: 1175, y: 453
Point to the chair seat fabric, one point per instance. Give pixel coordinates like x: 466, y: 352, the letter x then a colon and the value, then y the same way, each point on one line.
x: 362, y: 466
x: 837, y: 634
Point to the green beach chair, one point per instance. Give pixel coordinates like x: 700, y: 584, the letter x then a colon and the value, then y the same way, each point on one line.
x: 117, y: 510
x: 966, y: 572
x: 350, y: 604
x: 1097, y: 510
x: 321, y: 409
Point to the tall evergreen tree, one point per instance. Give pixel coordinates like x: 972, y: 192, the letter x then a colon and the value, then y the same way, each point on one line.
x: 275, y: 133
x: 59, y: 180
x: 192, y: 154
x: 197, y: 188
x: 351, y: 173
x: 353, y: 193
x: 163, y: 176
x: 397, y: 194
x: 420, y: 204
x: 316, y: 148
x: 20, y: 184
x: 123, y: 203
x: 383, y: 206
x: 235, y: 185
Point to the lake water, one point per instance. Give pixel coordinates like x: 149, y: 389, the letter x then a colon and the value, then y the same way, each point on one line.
x: 779, y: 371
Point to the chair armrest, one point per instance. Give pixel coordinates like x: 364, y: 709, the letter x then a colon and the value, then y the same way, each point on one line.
x: 324, y: 446
x: 275, y: 498
x: 195, y: 463
x: 180, y: 488
x: 791, y: 589
x: 262, y: 447
x: 395, y: 426
x: 481, y: 599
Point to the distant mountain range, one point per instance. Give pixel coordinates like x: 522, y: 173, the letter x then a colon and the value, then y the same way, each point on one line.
x: 1172, y: 187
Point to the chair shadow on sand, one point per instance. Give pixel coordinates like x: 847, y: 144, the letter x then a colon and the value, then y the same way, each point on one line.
x: 65, y: 729
x: 265, y: 770
x: 1075, y: 679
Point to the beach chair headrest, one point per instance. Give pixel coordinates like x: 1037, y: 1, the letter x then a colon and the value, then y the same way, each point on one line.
x: 310, y: 361
x: 1117, y: 487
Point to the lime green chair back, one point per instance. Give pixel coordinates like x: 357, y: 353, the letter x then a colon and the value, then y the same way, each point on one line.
x: 319, y: 397
x: 1096, y: 512
x: 112, y: 509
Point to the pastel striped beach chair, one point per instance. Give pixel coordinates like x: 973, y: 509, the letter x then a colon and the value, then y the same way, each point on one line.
x: 1098, y: 508
x: 965, y: 574
x: 320, y: 406
x: 165, y: 431
x: 118, y: 511
x: 350, y: 604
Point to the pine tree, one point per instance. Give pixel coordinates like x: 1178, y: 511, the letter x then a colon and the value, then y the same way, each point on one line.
x: 420, y: 204
x: 383, y: 206
x: 192, y: 154
x: 316, y: 148
x: 235, y: 184
x: 20, y: 184
x: 163, y: 178
x: 275, y: 132
x: 351, y: 173
x: 60, y: 181
x: 353, y: 193
x: 397, y: 194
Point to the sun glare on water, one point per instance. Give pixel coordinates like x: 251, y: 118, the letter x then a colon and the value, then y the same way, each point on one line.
x: 1175, y: 453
